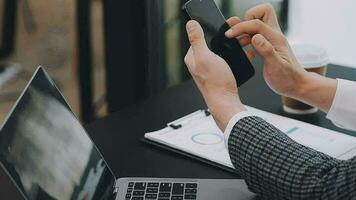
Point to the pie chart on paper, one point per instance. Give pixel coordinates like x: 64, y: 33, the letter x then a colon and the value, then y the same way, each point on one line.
x: 207, y: 138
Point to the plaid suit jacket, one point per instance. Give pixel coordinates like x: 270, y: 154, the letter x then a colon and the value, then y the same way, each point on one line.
x: 276, y: 167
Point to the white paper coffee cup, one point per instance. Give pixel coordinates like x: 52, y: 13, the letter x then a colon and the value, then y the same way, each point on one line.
x: 313, y: 59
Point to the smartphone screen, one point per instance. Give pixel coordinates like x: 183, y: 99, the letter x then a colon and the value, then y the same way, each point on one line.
x: 214, y: 25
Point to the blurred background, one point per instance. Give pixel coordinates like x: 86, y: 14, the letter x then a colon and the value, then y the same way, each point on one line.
x: 107, y: 54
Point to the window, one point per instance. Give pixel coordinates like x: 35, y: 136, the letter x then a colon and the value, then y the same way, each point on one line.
x: 176, y: 43
x: 328, y: 24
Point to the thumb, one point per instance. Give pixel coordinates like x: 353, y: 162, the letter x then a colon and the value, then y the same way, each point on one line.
x: 196, y: 38
x: 264, y: 48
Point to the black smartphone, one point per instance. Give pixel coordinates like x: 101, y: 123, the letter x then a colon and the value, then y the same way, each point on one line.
x: 214, y: 24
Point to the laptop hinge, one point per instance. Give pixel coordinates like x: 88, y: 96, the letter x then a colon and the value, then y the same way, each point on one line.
x: 114, y: 193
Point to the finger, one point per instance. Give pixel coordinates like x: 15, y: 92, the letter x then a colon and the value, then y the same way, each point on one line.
x: 244, y: 40
x: 264, y: 12
x: 250, y: 55
x: 232, y: 21
x: 265, y: 49
x: 196, y: 38
x: 252, y: 27
x: 260, y: 12
x: 190, y: 62
x: 189, y: 58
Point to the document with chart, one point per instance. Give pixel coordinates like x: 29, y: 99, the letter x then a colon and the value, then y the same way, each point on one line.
x: 198, y: 135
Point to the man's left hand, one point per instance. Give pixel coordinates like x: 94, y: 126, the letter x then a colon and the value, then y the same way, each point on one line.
x: 213, y: 77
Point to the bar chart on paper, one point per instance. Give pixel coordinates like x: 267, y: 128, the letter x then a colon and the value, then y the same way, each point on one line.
x: 199, y: 136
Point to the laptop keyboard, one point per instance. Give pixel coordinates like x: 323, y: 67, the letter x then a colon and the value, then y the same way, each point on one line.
x: 161, y: 191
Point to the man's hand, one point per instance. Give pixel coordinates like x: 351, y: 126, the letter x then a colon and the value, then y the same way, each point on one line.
x: 213, y: 77
x: 282, y: 71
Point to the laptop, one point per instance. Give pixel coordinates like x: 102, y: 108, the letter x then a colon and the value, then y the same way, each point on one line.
x: 48, y: 155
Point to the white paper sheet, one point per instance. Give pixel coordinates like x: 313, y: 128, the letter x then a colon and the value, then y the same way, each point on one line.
x: 201, y: 137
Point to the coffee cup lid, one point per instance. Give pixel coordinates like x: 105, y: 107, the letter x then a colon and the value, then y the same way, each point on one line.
x: 310, y: 56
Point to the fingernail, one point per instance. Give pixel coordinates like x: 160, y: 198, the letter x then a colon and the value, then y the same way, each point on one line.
x: 258, y: 40
x: 190, y: 26
x: 228, y: 33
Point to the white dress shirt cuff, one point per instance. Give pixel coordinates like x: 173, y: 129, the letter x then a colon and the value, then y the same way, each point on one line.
x: 343, y: 109
x: 233, y: 122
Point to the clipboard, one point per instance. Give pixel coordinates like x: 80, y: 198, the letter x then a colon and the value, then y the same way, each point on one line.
x: 179, y: 124
x: 332, y: 143
x: 188, y: 155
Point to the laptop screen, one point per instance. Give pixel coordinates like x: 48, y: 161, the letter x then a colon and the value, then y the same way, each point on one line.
x: 46, y: 151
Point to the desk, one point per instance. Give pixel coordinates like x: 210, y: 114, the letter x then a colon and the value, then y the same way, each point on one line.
x: 118, y: 135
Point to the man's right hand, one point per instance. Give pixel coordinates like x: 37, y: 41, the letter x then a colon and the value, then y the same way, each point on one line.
x: 282, y: 72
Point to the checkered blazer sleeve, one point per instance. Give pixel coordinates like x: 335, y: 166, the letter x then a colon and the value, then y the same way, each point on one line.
x: 276, y: 167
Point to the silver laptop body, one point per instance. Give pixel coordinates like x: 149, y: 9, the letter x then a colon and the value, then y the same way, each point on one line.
x: 48, y: 155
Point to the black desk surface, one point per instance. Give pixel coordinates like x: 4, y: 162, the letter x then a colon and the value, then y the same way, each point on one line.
x: 118, y: 135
